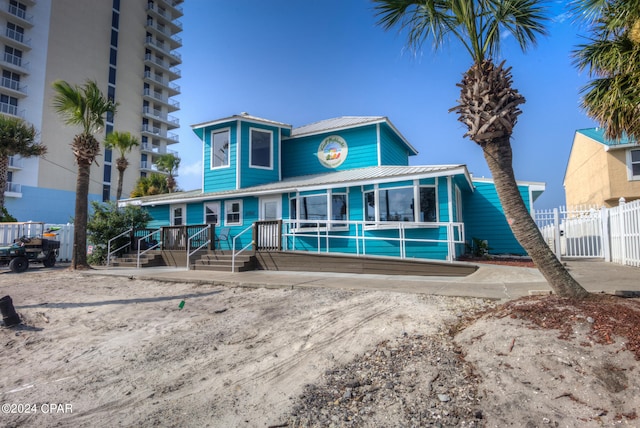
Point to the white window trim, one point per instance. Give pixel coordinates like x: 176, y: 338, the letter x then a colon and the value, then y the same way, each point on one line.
x: 204, y: 213
x: 184, y: 214
x: 630, y: 175
x: 220, y: 131
x: 266, y: 131
x: 380, y: 225
x: 227, y: 205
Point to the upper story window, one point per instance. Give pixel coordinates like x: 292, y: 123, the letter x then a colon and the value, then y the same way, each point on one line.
x: 220, y: 148
x: 633, y: 160
x: 261, y: 149
x: 398, y: 204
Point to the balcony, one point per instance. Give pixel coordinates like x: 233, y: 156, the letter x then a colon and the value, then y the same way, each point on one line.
x: 172, y: 122
x: 162, y: 64
x: 174, y: 5
x: 11, y: 109
x: 14, y: 63
x: 156, y: 150
x: 16, y: 39
x: 172, y: 105
x: 14, y: 87
x: 17, y: 15
x: 13, y: 189
x: 15, y: 163
x: 154, y: 131
x: 164, y: 31
x: 165, y: 15
x: 166, y: 50
x: 171, y: 87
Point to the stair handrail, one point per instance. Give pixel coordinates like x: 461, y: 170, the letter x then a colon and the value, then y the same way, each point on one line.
x: 233, y: 247
x: 189, y: 254
x: 148, y: 249
x: 109, y: 252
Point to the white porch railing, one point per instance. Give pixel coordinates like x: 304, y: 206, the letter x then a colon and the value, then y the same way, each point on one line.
x: 240, y: 251
x: 326, y: 230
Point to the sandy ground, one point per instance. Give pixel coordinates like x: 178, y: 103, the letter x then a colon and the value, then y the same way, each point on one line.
x: 111, y: 351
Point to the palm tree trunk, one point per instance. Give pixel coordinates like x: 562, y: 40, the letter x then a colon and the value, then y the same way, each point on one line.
x: 498, y: 155
x: 120, y: 178
x: 79, y: 260
x: 4, y: 171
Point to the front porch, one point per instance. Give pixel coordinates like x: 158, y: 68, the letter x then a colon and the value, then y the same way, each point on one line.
x: 285, y: 245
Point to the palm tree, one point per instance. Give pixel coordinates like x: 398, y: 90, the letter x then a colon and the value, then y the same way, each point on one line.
x: 488, y: 104
x: 169, y: 164
x: 152, y: 184
x: 123, y: 142
x: 83, y: 106
x: 612, y: 58
x: 16, y: 138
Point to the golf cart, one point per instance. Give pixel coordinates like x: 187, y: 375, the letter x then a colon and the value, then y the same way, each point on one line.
x: 34, y: 245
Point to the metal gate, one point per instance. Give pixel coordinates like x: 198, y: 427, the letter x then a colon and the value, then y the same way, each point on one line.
x: 573, y: 232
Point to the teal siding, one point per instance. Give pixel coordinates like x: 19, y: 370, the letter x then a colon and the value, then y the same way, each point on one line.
x: 443, y: 200
x: 195, y: 213
x: 393, y: 151
x: 160, y: 215
x: 299, y: 155
x: 220, y: 179
x: 484, y: 219
x: 251, y: 176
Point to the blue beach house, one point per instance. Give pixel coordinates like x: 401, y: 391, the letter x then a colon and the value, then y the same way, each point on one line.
x: 337, y: 186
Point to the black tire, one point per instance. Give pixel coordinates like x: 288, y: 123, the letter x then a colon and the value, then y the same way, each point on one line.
x: 50, y: 261
x: 19, y: 264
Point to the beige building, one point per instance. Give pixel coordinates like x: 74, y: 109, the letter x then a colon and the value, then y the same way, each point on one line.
x: 130, y: 48
x: 601, y: 171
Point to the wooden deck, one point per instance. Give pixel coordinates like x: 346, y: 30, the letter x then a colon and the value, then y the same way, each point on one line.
x: 343, y: 263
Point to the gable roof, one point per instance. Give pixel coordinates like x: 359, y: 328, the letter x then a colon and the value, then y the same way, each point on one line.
x: 242, y: 116
x: 597, y: 134
x: 351, y: 177
x: 345, y: 122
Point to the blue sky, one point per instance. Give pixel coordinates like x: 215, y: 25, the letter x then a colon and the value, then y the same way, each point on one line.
x: 300, y: 61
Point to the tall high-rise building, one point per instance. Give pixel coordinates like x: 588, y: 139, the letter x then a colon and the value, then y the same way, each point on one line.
x: 130, y: 48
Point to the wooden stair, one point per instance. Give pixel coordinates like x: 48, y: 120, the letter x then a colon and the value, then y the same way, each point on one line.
x: 222, y: 262
x: 150, y: 259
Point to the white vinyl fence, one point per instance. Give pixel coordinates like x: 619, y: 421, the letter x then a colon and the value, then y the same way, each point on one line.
x: 9, y: 232
x: 612, y: 234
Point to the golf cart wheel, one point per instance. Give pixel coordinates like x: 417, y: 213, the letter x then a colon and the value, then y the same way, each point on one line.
x: 50, y: 261
x: 19, y: 264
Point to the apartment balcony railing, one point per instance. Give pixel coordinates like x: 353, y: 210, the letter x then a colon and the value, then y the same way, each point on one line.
x: 159, y: 132
x: 15, y: 60
x: 148, y: 147
x: 164, y: 31
x: 162, y: 63
x: 13, y: 187
x: 157, y: 96
x: 9, y: 109
x: 16, y: 162
x: 20, y: 13
x: 14, y: 85
x: 159, y: 115
x: 164, y: 82
x: 149, y: 166
x: 17, y: 36
x: 163, y: 13
x: 163, y: 48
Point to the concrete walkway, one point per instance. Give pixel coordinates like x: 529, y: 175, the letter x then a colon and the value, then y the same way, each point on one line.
x: 489, y: 281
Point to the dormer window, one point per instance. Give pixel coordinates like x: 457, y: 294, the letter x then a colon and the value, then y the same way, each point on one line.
x: 220, y: 149
x: 261, y: 149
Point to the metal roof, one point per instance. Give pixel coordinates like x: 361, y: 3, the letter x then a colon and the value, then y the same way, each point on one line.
x: 352, y: 177
x: 597, y: 134
x: 345, y: 122
x: 242, y: 116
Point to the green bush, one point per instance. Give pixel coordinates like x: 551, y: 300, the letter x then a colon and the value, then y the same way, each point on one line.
x: 108, y: 221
